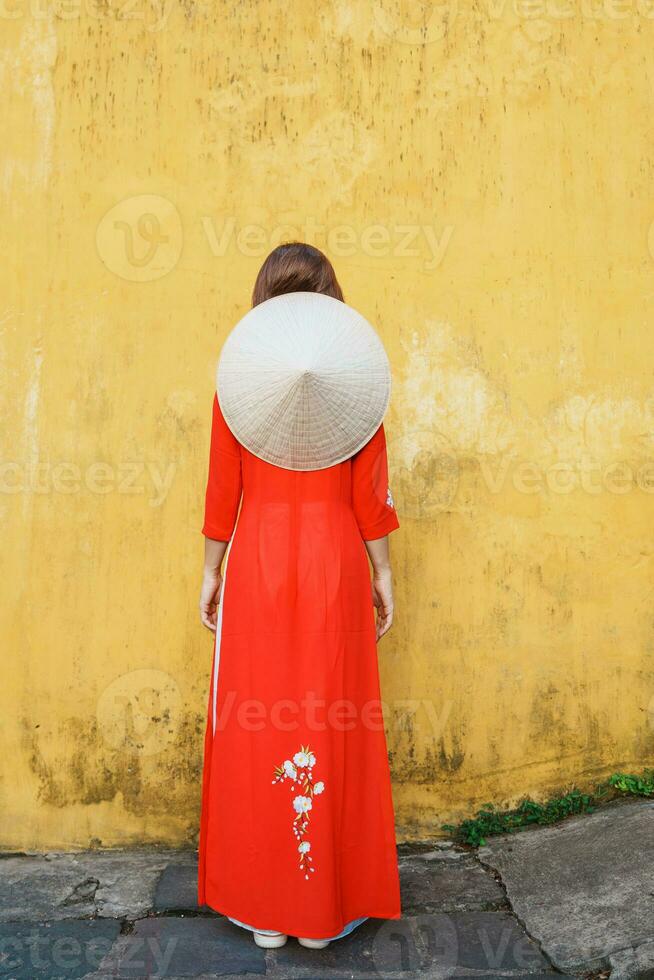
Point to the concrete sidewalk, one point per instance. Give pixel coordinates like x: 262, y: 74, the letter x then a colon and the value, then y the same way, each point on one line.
x: 569, y: 899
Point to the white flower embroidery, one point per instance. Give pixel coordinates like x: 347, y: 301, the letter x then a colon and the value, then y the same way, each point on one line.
x: 389, y: 498
x: 302, y: 804
x: 300, y: 772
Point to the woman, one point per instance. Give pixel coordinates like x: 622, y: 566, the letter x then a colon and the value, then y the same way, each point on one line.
x: 294, y: 701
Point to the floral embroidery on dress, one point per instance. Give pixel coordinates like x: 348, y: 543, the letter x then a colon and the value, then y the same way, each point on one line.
x: 299, y: 772
x: 389, y: 498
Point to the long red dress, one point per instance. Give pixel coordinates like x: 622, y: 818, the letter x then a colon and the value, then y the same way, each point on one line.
x: 297, y: 829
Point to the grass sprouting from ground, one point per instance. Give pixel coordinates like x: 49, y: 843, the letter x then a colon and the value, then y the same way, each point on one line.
x: 490, y: 821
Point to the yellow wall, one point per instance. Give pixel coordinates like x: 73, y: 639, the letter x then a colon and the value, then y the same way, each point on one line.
x: 481, y: 175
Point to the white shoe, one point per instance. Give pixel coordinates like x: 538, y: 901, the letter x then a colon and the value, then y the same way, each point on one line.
x: 314, y: 943
x: 267, y: 941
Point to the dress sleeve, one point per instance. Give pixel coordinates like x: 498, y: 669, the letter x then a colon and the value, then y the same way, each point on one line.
x: 371, y: 496
x: 224, y: 484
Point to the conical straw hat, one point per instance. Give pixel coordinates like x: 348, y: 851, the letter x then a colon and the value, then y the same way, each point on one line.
x: 303, y: 381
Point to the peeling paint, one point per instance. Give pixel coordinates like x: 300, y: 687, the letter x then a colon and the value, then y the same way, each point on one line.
x: 27, y: 71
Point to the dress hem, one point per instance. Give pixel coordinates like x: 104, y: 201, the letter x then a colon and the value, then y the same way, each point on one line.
x: 291, y: 932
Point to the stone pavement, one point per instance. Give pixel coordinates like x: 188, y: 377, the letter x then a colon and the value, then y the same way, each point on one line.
x: 549, y: 902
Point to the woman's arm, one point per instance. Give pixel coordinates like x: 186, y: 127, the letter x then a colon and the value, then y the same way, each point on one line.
x: 382, y: 583
x: 224, y: 486
x: 214, y: 552
x: 375, y: 514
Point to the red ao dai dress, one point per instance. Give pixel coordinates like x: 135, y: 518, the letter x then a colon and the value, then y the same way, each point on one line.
x: 297, y: 828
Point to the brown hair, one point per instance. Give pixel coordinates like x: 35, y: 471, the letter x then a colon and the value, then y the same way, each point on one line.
x: 295, y: 268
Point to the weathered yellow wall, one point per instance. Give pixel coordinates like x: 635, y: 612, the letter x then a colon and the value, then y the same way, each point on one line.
x: 481, y: 175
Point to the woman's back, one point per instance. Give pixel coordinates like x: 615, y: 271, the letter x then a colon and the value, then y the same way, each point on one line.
x: 298, y: 539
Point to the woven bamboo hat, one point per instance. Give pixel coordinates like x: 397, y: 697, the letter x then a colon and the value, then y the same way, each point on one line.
x: 303, y: 381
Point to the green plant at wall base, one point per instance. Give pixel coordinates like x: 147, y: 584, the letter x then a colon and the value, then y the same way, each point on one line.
x: 633, y: 785
x: 490, y: 821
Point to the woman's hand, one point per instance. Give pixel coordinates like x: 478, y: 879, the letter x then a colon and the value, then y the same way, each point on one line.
x: 382, y: 597
x: 212, y: 581
x: 209, y: 597
x: 382, y: 583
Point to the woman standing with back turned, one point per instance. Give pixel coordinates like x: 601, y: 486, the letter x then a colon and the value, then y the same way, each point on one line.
x: 297, y: 830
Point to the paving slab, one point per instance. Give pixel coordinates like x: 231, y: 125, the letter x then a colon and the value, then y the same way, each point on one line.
x: 177, y: 888
x: 448, y: 880
x: 484, y: 944
x: 113, y: 884
x: 629, y: 964
x: 434, y: 880
x: 175, y: 947
x: 583, y: 888
x: 55, y: 950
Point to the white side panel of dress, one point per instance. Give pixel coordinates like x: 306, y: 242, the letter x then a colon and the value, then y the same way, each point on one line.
x: 219, y: 630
